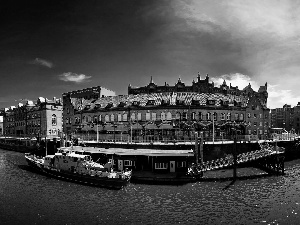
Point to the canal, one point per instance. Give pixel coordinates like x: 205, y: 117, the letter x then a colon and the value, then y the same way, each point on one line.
x: 30, y: 198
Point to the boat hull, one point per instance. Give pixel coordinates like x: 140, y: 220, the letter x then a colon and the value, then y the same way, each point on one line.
x: 111, y: 183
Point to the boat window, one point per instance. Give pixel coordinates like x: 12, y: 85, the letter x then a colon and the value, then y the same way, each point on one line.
x: 127, y: 163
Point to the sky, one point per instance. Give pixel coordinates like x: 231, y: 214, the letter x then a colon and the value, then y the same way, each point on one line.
x: 51, y: 47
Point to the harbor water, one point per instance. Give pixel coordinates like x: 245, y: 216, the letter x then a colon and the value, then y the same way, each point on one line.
x: 30, y: 198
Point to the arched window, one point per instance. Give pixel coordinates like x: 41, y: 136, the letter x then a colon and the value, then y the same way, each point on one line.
x: 178, y: 116
x: 106, y: 118
x: 241, y: 117
x: 162, y: 116
x: 54, y: 120
x: 169, y: 116
x: 132, y: 117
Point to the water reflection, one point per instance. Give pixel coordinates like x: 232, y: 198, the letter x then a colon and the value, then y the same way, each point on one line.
x: 30, y: 198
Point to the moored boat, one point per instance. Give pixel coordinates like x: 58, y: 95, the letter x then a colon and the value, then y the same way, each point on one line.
x: 79, y: 168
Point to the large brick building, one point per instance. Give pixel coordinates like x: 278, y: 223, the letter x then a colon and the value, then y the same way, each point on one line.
x: 169, y: 112
x: 40, y: 119
x: 286, y: 117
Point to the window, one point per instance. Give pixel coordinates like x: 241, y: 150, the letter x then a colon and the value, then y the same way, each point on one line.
x: 127, y: 163
x: 162, y: 116
x: 200, y: 116
x: 119, y: 117
x: 139, y: 116
x: 254, y: 115
x: 161, y: 165
x: 169, y: 116
x: 181, y: 164
x: 208, y: 116
x: 184, y: 116
x: 178, y: 116
x: 106, y: 118
x: 255, y: 123
x: 222, y: 116
x: 68, y: 110
x: 241, y: 117
x: 147, y: 116
x: 125, y: 117
x: 249, y: 132
x: 260, y: 115
x: 193, y: 116
x: 236, y: 116
x: 228, y: 116
x: 54, y: 120
x: 112, y: 117
x: 95, y: 119
x: 153, y: 116
x: 111, y: 161
x: 132, y: 117
x: 215, y: 116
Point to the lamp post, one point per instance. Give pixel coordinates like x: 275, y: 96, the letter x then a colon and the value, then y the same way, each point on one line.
x: 213, y: 134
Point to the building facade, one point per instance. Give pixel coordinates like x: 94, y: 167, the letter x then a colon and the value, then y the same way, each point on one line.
x: 85, y: 95
x: 286, y: 117
x: 152, y: 113
x: 40, y: 119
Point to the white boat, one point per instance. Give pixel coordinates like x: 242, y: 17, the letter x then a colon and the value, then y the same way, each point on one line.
x: 79, y: 168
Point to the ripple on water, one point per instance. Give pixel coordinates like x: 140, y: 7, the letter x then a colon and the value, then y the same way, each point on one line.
x: 29, y: 198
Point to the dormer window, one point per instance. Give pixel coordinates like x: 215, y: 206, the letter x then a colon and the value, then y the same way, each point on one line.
x: 87, y: 107
x: 195, y: 102
x: 211, y: 102
x: 238, y: 103
x: 122, y: 104
x: 97, y: 106
x: 165, y: 102
x: 150, y: 102
x: 135, y: 103
x: 109, y: 105
x: 224, y: 102
x: 179, y: 102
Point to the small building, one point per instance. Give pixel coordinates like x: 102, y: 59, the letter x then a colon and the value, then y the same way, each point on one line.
x: 158, y: 161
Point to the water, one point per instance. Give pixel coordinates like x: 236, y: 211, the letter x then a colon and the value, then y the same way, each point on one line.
x: 30, y: 198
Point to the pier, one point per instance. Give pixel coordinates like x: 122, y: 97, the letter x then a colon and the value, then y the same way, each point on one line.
x: 269, y: 158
